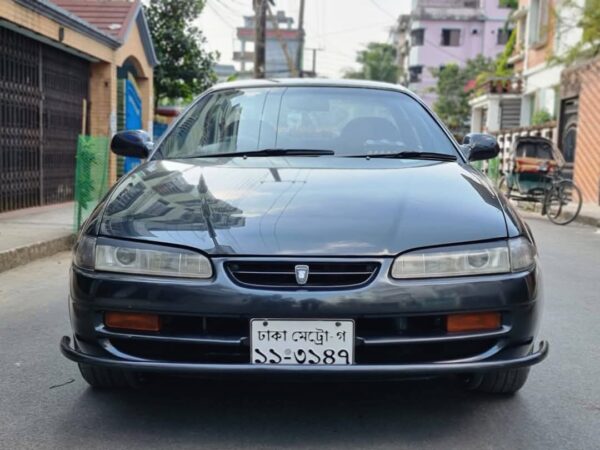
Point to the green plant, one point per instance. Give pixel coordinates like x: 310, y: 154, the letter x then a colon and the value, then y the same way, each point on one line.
x: 540, y: 117
x: 378, y: 63
x: 452, y: 104
x: 503, y: 68
x: 513, y: 4
x: 574, y: 14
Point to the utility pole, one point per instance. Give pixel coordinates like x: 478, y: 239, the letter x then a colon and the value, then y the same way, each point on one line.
x: 314, y: 59
x: 260, y: 25
x: 299, y: 57
x: 284, y: 48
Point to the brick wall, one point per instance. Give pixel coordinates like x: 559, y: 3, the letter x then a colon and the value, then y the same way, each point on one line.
x: 587, y: 154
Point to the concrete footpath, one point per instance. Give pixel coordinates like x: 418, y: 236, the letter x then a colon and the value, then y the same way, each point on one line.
x: 589, y: 214
x: 32, y: 233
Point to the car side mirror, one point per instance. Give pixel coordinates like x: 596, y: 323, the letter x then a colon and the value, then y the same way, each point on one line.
x: 135, y: 143
x: 478, y: 146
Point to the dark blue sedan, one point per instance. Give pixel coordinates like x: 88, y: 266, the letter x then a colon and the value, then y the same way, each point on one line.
x: 306, y: 229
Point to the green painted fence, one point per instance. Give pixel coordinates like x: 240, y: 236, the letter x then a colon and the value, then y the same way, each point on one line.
x: 491, y: 168
x: 91, y: 175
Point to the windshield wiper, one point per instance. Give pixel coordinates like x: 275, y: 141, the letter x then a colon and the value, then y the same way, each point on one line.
x: 273, y: 152
x: 410, y: 155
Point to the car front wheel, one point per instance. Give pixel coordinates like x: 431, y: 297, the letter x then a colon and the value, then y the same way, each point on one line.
x: 499, y: 381
x: 105, y: 378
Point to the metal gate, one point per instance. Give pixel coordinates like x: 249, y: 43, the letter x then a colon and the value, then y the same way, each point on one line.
x: 567, y: 135
x: 42, y: 90
x: 133, y: 107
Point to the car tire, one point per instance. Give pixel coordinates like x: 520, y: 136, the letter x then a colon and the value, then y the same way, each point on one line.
x: 499, y: 381
x: 104, y: 378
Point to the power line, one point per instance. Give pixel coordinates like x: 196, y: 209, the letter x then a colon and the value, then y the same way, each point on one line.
x: 216, y: 11
x: 352, y: 30
x: 229, y: 8
x: 385, y: 11
x: 239, y: 3
x: 440, y: 48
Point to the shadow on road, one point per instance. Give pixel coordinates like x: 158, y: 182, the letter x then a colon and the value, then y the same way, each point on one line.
x: 231, y: 413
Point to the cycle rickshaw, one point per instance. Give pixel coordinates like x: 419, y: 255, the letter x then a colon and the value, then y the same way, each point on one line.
x: 535, y: 174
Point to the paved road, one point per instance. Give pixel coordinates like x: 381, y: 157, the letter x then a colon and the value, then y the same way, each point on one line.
x: 45, y: 404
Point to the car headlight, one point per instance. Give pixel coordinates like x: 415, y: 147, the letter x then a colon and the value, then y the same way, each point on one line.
x: 512, y: 255
x: 141, y: 259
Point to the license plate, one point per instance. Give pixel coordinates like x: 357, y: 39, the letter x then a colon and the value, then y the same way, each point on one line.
x: 302, y: 342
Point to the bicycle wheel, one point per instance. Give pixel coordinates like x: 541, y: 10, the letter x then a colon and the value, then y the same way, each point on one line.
x: 563, y: 202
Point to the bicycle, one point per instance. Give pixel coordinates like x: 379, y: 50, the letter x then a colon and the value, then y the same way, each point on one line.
x: 560, y: 197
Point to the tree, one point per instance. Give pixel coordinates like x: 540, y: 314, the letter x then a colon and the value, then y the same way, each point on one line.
x: 186, y: 68
x: 577, y: 14
x: 378, y: 63
x: 452, y: 104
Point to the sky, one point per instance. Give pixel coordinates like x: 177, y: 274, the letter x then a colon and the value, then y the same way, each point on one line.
x: 339, y: 28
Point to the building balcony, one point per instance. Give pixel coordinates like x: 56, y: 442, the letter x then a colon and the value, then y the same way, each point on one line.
x: 499, y: 86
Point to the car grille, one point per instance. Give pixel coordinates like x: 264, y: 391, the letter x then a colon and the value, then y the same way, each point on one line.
x: 321, y: 275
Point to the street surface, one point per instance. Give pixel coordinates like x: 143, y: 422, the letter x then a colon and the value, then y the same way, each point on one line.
x: 44, y: 403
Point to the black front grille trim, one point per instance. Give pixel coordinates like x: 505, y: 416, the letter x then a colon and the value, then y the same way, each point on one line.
x: 322, y: 274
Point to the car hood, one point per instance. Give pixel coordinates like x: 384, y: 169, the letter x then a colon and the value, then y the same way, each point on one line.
x: 302, y: 206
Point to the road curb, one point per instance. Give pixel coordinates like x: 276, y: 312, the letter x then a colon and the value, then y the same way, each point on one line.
x: 581, y: 218
x: 15, y: 257
x: 588, y: 220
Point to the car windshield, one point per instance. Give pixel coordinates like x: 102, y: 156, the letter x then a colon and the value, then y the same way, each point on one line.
x: 346, y: 121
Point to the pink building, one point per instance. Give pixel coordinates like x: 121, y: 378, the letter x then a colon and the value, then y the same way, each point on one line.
x: 441, y: 32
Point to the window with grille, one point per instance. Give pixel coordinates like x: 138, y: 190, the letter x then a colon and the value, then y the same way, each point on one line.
x: 450, y: 38
x: 503, y: 35
x: 417, y: 37
x: 539, y: 16
x: 415, y: 73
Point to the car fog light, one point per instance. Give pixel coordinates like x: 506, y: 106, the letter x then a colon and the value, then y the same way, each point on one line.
x: 473, y: 322
x: 132, y: 321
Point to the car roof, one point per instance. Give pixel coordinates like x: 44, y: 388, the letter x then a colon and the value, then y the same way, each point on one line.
x: 309, y: 82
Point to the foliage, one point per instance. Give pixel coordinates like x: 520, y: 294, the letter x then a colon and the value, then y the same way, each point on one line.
x: 503, y: 68
x: 573, y: 14
x: 186, y: 68
x: 452, y: 104
x: 541, y: 117
x: 512, y: 4
x: 378, y: 63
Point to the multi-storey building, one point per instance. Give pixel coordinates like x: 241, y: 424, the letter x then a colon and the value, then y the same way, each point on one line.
x: 281, y: 46
x: 545, y: 28
x: 441, y: 32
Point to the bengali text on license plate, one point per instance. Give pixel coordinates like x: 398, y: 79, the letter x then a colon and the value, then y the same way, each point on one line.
x: 320, y: 342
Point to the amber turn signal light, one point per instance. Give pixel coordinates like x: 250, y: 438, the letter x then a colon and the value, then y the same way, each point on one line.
x: 473, y: 322
x: 132, y: 321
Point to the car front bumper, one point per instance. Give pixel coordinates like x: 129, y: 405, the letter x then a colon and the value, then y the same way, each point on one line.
x: 517, y: 297
x: 358, y: 370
